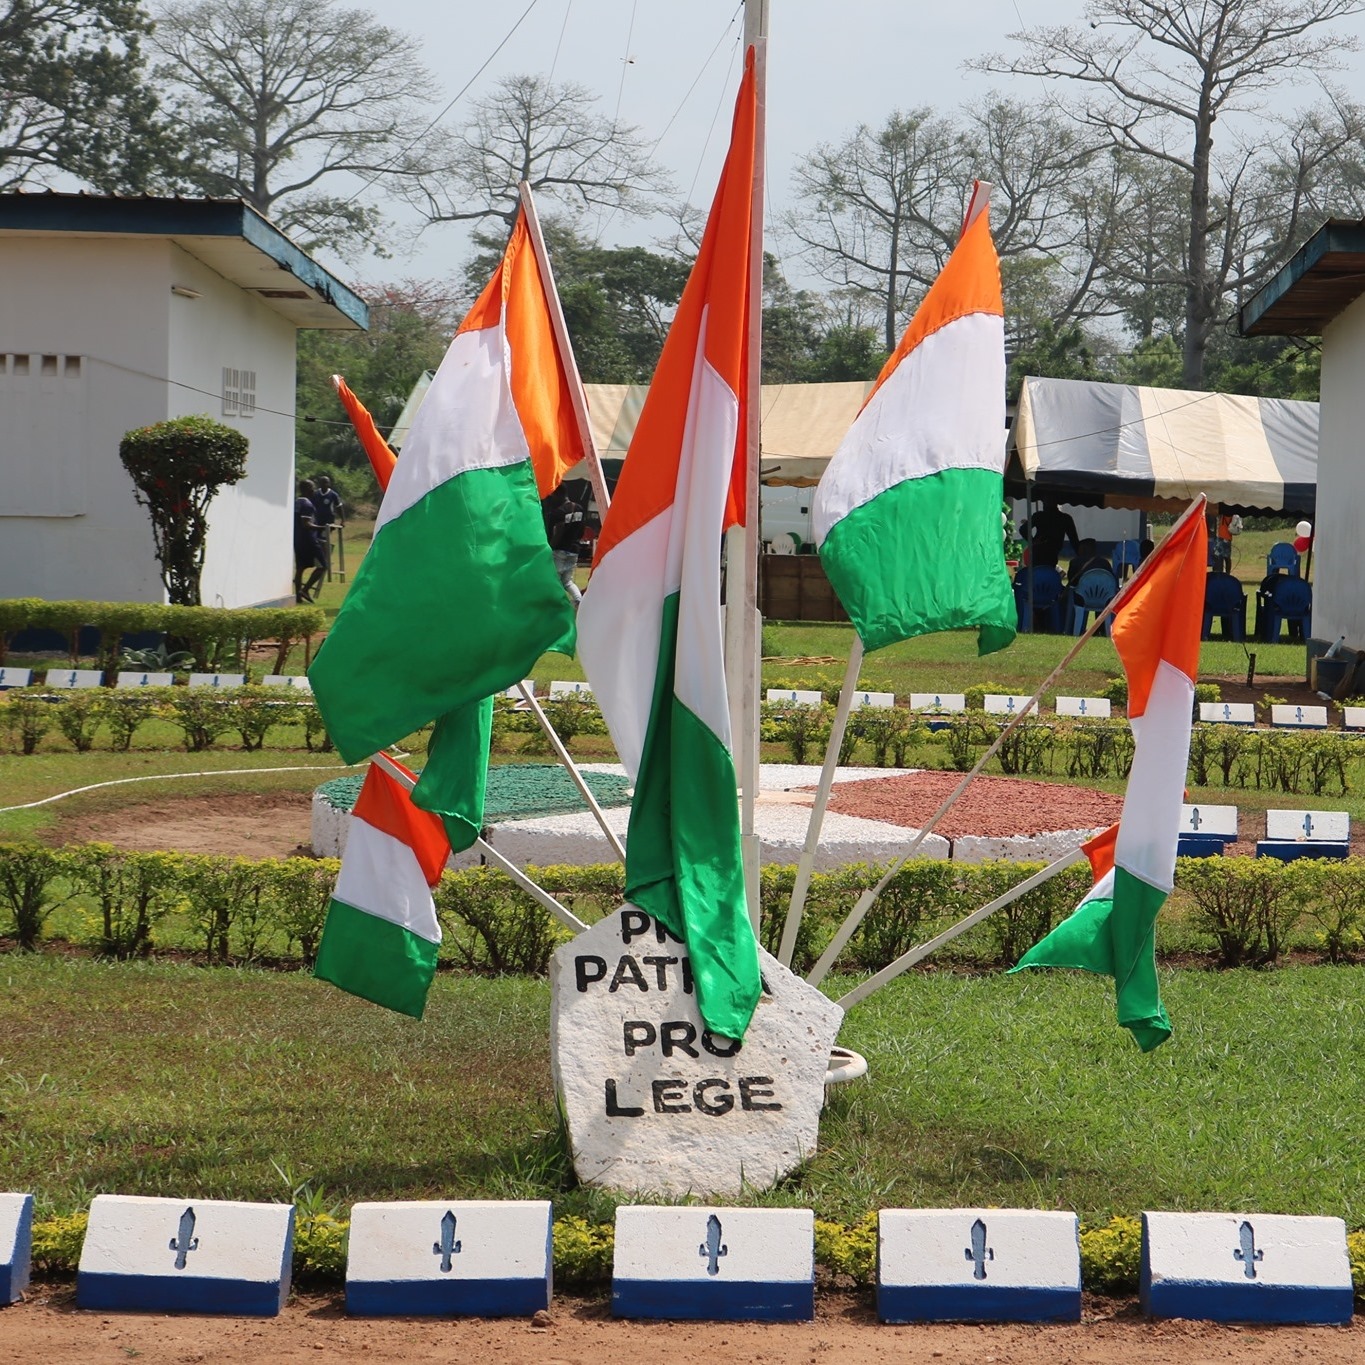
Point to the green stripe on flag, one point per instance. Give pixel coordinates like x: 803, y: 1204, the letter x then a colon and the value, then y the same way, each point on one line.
x: 375, y: 959
x: 684, y: 863
x: 455, y: 777
x: 925, y: 555
x: 456, y: 599
x: 1115, y: 938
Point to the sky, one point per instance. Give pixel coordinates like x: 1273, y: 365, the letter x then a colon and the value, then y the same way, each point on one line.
x: 671, y: 66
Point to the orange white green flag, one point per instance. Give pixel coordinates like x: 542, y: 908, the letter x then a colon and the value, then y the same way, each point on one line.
x: 377, y: 450
x: 907, y: 514
x: 1156, y: 631
x: 457, y: 596
x: 381, y: 933
x: 649, y: 629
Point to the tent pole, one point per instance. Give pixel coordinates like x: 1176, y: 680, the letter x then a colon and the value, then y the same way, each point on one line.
x: 1028, y: 548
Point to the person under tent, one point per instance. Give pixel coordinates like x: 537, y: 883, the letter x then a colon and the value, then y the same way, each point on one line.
x: 1050, y: 530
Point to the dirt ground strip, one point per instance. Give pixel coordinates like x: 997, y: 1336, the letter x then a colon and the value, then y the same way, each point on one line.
x: 582, y: 1332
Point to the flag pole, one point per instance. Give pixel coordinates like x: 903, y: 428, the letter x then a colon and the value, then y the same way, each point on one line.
x: 542, y: 897
x: 561, y: 330
x: 796, y: 906
x: 864, y: 903
x: 908, y: 959
x: 573, y: 769
x: 742, y: 634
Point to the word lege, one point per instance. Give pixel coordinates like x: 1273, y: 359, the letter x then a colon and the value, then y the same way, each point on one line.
x: 654, y: 1100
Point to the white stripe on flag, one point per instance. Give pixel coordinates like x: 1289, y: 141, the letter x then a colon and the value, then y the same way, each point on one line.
x: 942, y: 407
x: 467, y: 421
x: 381, y: 876
x: 1149, y: 829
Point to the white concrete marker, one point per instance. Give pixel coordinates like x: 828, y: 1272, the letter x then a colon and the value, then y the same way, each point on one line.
x: 186, y: 1256
x: 1085, y: 708
x: 1352, y: 717
x: 1308, y: 826
x: 714, y: 1264
x: 795, y: 696
x: 1299, y: 717
x: 571, y: 689
x: 73, y: 677
x: 1245, y: 1267
x: 878, y: 699
x: 217, y: 679
x: 938, y: 703
x: 15, y: 677
x: 978, y: 1265
x: 1227, y: 712
x: 483, y: 1258
x: 1214, y: 821
x: 133, y: 678
x: 298, y: 681
x: 1007, y: 705
x: 16, y: 1245
x: 515, y: 691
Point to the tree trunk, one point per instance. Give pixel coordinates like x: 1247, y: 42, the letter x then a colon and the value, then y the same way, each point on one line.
x: 1198, y: 305
x: 892, y: 265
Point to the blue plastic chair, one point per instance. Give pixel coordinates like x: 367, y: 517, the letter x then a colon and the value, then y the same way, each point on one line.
x: 1282, y: 556
x: 1225, y: 598
x: 1127, y: 555
x: 1288, y: 602
x: 1047, y: 598
x: 1092, y: 592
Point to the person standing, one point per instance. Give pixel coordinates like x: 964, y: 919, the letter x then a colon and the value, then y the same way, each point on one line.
x: 326, y: 514
x: 307, y: 546
x: 564, y: 529
x: 1051, y: 529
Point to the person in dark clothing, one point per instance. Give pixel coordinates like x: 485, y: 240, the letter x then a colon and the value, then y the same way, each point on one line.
x: 564, y: 530
x: 1087, y: 557
x: 326, y: 514
x: 308, y: 553
x: 1051, y: 530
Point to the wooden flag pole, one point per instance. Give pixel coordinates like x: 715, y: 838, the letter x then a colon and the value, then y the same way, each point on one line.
x: 573, y: 770
x: 855, y: 917
x: 796, y: 906
x: 543, y: 898
x: 908, y: 959
x: 561, y: 330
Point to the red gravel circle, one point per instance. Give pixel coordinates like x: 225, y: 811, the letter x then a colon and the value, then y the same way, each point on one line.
x: 995, y: 807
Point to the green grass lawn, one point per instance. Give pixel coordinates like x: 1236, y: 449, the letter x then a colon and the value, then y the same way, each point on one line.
x: 162, y: 1079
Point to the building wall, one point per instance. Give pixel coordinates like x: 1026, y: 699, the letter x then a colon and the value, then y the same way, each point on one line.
x: 249, y: 558
x: 89, y: 333
x: 1338, y: 547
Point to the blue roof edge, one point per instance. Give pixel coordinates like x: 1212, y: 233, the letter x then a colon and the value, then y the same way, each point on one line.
x: 149, y: 215
x: 1331, y: 236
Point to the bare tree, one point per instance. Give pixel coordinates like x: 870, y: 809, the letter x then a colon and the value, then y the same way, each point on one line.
x: 1157, y: 76
x: 548, y: 134
x: 284, y: 100
x: 879, y: 213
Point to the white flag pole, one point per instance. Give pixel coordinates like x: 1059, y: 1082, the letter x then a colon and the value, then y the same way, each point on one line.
x: 908, y: 959
x: 564, y: 915
x: 796, y: 906
x: 561, y: 330
x: 573, y: 770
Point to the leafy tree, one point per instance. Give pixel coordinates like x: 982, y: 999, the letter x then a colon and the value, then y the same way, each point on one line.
x: 73, y: 95
x: 283, y: 101
x: 177, y: 467
x: 533, y: 129
x: 1157, y: 79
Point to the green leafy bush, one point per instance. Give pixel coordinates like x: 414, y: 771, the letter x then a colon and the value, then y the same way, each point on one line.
x: 125, y: 712
x: 849, y: 1249
x: 1245, y: 906
x: 1111, y: 1255
x: 27, y: 716
x: 201, y: 714
x: 57, y: 1243
x: 79, y: 716
x: 31, y: 887
x: 582, y: 1252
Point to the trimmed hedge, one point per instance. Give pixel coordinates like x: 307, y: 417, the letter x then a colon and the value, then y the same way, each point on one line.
x: 217, y: 636
x: 1241, y: 911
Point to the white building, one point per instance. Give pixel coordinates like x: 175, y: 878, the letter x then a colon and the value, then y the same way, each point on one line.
x: 1319, y: 293
x: 119, y: 312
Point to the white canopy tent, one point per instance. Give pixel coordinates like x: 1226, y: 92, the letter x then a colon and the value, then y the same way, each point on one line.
x: 1123, y: 445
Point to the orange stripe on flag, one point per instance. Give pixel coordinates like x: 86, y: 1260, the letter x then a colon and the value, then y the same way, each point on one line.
x: 384, y: 804
x: 1100, y: 851
x: 1161, y: 617
x: 377, y: 450
x: 719, y: 287
x: 516, y: 296
x: 969, y: 283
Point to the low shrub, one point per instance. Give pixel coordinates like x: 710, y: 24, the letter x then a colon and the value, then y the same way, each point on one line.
x: 27, y: 718
x: 582, y: 1252
x: 1111, y: 1255
x: 30, y: 888
x: 849, y: 1249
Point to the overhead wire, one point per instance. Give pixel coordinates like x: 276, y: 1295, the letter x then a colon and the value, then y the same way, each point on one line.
x: 568, y: 9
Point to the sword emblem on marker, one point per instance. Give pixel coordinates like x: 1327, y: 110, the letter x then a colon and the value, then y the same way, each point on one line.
x: 184, y: 1241
x: 979, y: 1253
x: 713, y: 1248
x: 1248, y: 1253
x: 447, y: 1246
